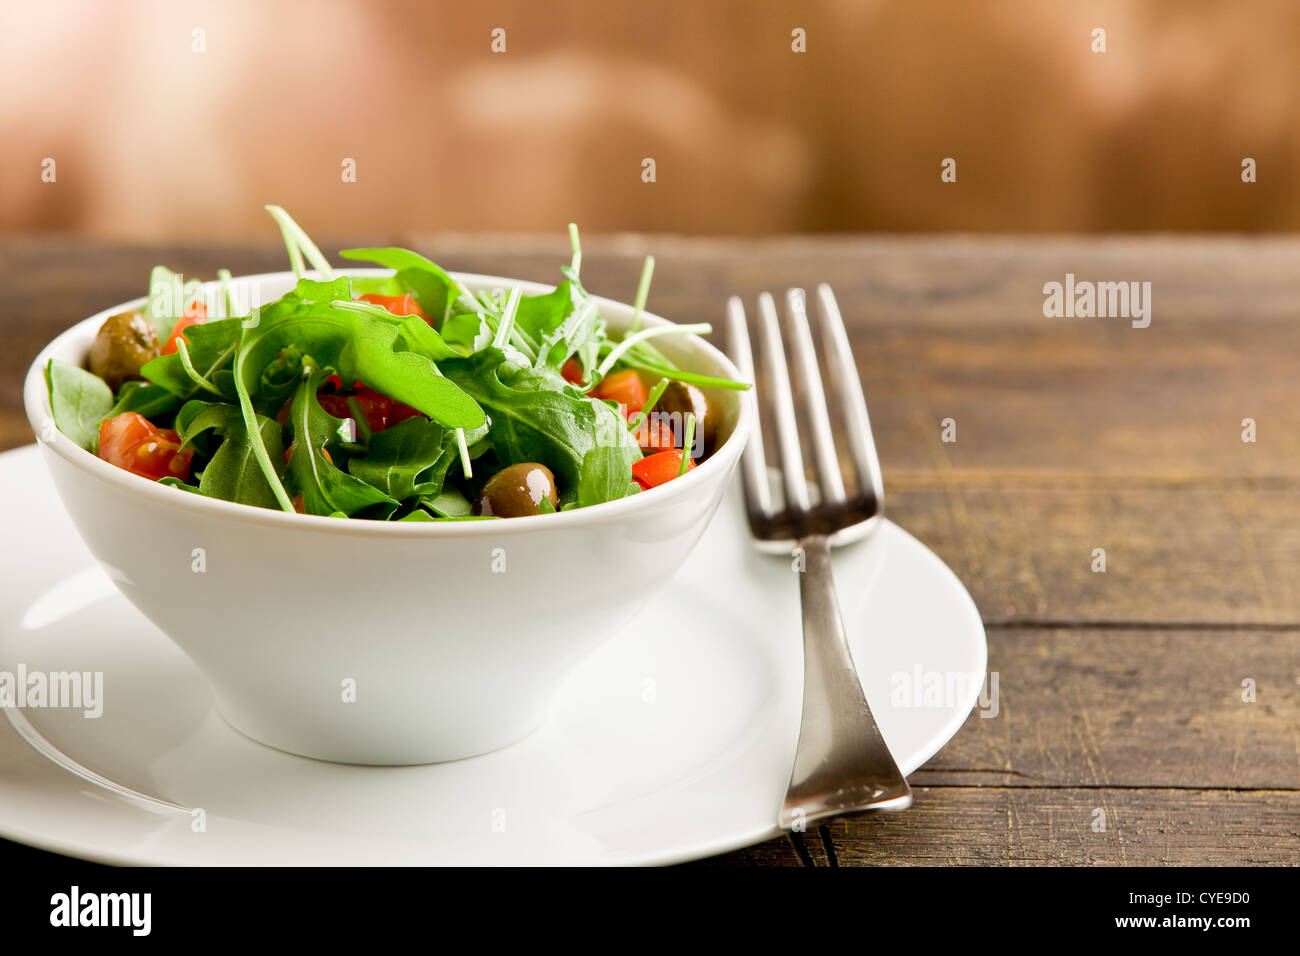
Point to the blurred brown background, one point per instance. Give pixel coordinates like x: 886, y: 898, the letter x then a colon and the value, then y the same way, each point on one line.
x: 154, y: 139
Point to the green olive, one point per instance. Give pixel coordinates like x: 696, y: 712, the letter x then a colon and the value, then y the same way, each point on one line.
x: 681, y: 399
x: 123, y: 345
x: 516, y: 491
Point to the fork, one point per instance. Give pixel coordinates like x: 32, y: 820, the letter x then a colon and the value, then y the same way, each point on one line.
x: 841, y: 765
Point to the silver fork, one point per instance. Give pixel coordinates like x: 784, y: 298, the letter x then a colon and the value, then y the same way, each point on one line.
x: 841, y: 765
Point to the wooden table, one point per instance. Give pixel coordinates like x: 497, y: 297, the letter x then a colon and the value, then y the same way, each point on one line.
x: 1119, y: 691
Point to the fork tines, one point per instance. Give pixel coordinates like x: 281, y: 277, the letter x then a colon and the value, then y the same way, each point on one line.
x: 781, y: 518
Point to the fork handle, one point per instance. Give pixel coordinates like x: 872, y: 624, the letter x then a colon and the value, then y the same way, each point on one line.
x: 841, y: 765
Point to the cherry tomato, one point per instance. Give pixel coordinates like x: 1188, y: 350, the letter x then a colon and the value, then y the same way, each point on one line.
x: 654, y: 434
x: 131, y: 441
x: 380, y: 411
x: 195, y: 314
x: 624, y: 388
x: 572, y: 371
x: 396, y: 304
x: 659, y: 468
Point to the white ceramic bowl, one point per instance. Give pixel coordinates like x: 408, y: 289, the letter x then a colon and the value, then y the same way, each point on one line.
x: 448, y: 657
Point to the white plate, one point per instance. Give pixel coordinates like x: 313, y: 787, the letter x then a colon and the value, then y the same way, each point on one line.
x: 674, y: 741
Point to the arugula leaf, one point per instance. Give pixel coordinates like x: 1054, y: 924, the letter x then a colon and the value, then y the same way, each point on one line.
x: 646, y: 358
x: 233, y: 473
x: 411, y: 458
x: 432, y: 287
x: 467, y: 331
x: 152, y: 401
x: 325, y: 488
x: 171, y: 482
x: 692, y: 378
x: 606, y: 475
x: 417, y: 334
x: 541, y: 315
x: 79, y: 400
x: 565, y: 322
x: 378, y: 285
x: 450, y: 503
x: 358, y: 341
x: 212, y: 347
x: 535, y: 416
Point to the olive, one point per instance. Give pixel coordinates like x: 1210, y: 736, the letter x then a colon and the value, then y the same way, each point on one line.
x: 123, y: 345
x: 681, y: 399
x: 516, y: 491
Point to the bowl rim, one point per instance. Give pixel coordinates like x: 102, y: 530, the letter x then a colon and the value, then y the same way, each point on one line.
x: 37, y: 405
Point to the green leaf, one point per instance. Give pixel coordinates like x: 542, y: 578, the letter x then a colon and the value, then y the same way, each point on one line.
x: 171, y: 482
x: 411, y: 458
x: 645, y: 357
x: 541, y: 315
x: 378, y: 285
x: 233, y: 473
x: 79, y: 400
x: 535, y: 416
x: 152, y: 401
x: 606, y: 475
x: 358, y: 341
x: 325, y: 487
x: 561, y: 321
x: 432, y: 287
x: 212, y: 347
x: 449, y: 504
x: 419, y: 336
x: 467, y: 332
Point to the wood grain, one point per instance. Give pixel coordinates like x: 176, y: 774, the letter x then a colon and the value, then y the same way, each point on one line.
x: 1178, y: 552
x: 990, y: 826
x: 1120, y: 708
x: 1119, y: 691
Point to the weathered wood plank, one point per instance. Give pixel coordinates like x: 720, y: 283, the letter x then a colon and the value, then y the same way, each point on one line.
x: 991, y: 826
x: 1123, y: 708
x: 1178, y: 552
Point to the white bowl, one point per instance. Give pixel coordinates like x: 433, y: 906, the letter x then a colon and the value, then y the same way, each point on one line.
x: 447, y: 657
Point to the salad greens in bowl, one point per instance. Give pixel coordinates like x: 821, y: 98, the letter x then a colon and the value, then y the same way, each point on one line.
x: 395, y: 397
x: 387, y: 512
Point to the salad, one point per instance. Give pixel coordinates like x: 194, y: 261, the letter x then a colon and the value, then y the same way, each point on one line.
x: 396, y: 398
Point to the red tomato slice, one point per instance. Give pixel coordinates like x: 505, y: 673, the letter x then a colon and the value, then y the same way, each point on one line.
x: 624, y: 388
x: 380, y: 411
x: 396, y: 304
x: 654, y: 434
x: 572, y: 371
x: 196, y: 314
x: 130, y: 441
x: 659, y: 468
